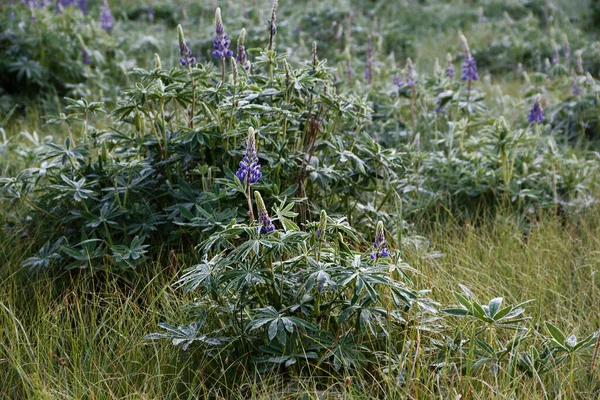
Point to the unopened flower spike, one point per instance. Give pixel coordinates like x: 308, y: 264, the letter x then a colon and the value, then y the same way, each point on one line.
x: 234, y: 71
x: 249, y: 167
x: 273, y: 23
x: 536, y: 114
x: 450, y: 72
x: 107, y: 19
x: 85, y: 55
x: 369, y: 68
x: 221, y: 42
x: 555, y: 56
x: 266, y: 225
x: 579, y: 62
x: 157, y: 63
x: 380, y: 244
x: 575, y: 88
x: 241, y: 56
x: 566, y: 48
x: 186, y: 58
x: 315, y: 59
x: 437, y: 70
x: 410, y: 74
x: 322, y: 225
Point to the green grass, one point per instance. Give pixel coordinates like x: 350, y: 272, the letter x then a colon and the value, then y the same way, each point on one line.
x: 80, y: 336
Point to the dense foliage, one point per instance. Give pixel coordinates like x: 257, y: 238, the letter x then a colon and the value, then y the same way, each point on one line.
x: 271, y: 191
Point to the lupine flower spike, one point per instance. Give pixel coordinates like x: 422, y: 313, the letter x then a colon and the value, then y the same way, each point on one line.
x: 186, y: 58
x: 566, y: 48
x: 450, y: 72
x: 579, y: 59
x: 437, y: 70
x: 369, y: 68
x: 380, y: 244
x: 107, y: 21
x: 537, y: 113
x: 555, y: 56
x: 469, y: 70
x: 249, y: 170
x: 241, y: 57
x: 273, y: 24
x: 575, y: 88
x: 410, y: 74
x: 322, y: 225
x: 157, y: 63
x: 221, y: 42
x: 85, y: 55
x: 266, y: 225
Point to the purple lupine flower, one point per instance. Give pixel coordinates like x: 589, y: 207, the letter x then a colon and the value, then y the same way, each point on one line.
x: 537, y: 113
x: 469, y: 68
x: 397, y: 81
x: 249, y: 170
x: 380, y: 244
x: 107, y: 19
x: 221, y: 42
x: 266, y: 225
x: 410, y: 74
x: 450, y: 72
x: 83, y: 6
x: 241, y: 57
x: 150, y: 14
x: 184, y: 51
x: 85, y: 56
x: 60, y: 5
x: 369, y: 69
x: 555, y: 56
x: 575, y: 88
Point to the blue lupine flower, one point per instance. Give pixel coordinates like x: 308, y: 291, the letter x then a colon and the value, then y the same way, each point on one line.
x: 83, y: 6
x: 85, y: 56
x: 380, y: 244
x: 150, y: 14
x: 249, y: 170
x: 537, y: 113
x: 107, y: 21
x: 266, y: 225
x: 184, y: 50
x: 241, y: 57
x: 397, y: 81
x: 469, y: 70
x: 221, y: 42
x: 450, y: 72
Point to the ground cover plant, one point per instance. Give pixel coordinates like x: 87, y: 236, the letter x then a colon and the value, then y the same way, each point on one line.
x: 313, y: 200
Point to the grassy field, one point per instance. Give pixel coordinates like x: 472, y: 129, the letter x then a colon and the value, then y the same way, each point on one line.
x: 474, y: 200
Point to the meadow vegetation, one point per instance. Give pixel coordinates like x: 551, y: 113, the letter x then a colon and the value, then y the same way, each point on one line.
x: 333, y: 199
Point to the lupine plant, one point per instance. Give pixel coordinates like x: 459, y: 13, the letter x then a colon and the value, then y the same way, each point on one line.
x: 283, y: 298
